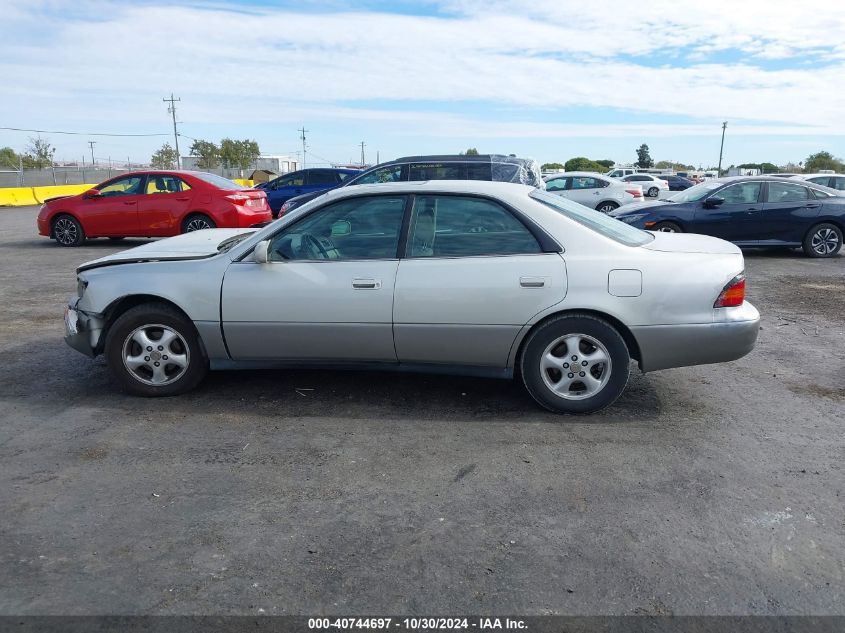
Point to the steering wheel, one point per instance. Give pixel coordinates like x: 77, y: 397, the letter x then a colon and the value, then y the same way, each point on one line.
x: 313, y: 247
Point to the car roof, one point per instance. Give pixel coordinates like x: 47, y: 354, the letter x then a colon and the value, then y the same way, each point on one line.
x: 463, y: 158
x: 481, y: 187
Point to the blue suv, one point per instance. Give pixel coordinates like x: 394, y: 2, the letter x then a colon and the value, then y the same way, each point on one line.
x: 313, y: 180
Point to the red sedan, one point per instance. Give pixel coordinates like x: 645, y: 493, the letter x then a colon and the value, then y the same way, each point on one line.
x: 152, y: 204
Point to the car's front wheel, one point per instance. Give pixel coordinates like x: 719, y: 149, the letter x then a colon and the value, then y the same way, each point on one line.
x: 575, y: 364
x: 823, y: 240
x: 154, y: 350
x: 67, y: 231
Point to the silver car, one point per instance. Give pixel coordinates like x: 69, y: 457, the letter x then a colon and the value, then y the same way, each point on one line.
x: 469, y: 277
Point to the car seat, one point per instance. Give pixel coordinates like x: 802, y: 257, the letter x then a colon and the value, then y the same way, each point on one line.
x: 425, y: 229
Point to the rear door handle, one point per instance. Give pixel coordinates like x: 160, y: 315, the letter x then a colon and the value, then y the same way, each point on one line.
x: 366, y: 284
x: 532, y: 282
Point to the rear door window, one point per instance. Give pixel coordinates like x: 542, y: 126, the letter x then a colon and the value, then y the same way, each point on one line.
x: 586, y: 182
x: 322, y: 177
x: 463, y: 226
x: 166, y: 184
x: 787, y: 192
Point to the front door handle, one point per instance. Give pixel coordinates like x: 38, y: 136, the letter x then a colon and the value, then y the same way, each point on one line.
x: 366, y: 284
x: 813, y: 206
x: 532, y: 282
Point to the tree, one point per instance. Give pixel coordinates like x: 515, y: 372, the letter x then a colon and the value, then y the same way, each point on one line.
x: 550, y: 166
x: 472, y: 152
x: 823, y: 160
x: 164, y: 158
x: 240, y: 154
x: 765, y: 168
x: 39, y: 153
x: 208, y: 154
x: 580, y: 163
x: 643, y: 157
x: 606, y: 163
x: 9, y: 158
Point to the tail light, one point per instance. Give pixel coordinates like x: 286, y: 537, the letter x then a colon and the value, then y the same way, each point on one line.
x: 637, y: 193
x: 733, y: 294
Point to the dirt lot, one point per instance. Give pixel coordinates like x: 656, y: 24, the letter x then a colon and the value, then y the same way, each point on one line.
x: 705, y: 490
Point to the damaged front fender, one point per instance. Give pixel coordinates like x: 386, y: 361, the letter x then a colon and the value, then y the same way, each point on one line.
x: 83, y: 330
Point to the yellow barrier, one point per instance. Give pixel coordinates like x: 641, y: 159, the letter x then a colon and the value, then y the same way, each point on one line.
x: 25, y: 196
x: 16, y: 197
x: 43, y: 193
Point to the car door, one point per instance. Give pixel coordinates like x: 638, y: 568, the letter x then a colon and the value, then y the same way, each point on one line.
x: 586, y: 190
x: 320, y: 180
x: 787, y: 213
x: 327, y: 291
x: 167, y: 198
x: 284, y: 188
x: 114, y: 211
x: 473, y: 274
x: 736, y: 218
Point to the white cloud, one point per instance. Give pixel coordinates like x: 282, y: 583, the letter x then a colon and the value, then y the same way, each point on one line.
x: 109, y: 63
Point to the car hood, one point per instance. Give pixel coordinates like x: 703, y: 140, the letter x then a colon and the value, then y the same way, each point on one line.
x: 194, y: 245
x: 634, y: 207
x: 691, y: 243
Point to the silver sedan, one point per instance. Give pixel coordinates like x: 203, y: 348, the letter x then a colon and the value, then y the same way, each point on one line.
x: 468, y: 277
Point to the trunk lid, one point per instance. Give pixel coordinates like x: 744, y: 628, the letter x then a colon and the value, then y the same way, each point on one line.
x: 691, y: 243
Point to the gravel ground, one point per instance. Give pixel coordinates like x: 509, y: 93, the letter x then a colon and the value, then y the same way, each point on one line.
x: 705, y: 490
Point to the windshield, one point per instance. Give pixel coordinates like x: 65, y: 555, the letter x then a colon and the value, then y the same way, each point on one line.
x: 696, y: 192
x: 219, y: 181
x: 595, y: 220
x: 227, y: 244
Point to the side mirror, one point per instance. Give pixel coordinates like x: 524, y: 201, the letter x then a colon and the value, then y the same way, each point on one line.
x: 713, y: 201
x: 261, y: 253
x: 91, y: 193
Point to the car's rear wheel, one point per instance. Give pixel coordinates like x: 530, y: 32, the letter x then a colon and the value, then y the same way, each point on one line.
x: 575, y: 364
x: 823, y: 240
x: 197, y: 222
x: 154, y: 350
x: 667, y: 227
x: 653, y: 191
x: 67, y: 231
x: 607, y: 207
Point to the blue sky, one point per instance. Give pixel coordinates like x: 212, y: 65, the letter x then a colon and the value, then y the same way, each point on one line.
x: 548, y: 80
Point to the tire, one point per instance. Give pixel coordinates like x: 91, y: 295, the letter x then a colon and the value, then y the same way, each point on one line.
x: 197, y: 222
x: 67, y: 231
x: 607, y: 206
x: 666, y: 227
x: 132, y: 350
x: 823, y: 240
x: 547, y: 357
x: 653, y: 192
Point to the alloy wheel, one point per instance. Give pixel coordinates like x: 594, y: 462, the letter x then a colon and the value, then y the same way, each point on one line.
x: 575, y: 366
x: 65, y: 231
x: 155, y: 354
x: 824, y: 241
x: 197, y: 224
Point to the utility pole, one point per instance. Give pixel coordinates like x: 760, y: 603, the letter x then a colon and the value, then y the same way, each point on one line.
x: 91, y: 145
x: 724, y: 127
x: 302, y: 132
x: 362, y: 153
x: 172, y: 110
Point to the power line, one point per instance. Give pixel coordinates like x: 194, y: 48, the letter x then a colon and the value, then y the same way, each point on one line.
x: 172, y: 110
x: 21, y: 129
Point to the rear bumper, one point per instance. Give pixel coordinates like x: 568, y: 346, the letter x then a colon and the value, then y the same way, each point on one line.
x: 666, y: 346
x: 248, y: 219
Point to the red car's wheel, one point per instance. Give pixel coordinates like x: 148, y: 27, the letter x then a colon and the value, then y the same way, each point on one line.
x: 67, y: 231
x: 197, y: 222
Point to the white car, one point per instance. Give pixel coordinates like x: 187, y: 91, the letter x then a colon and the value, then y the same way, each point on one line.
x: 834, y: 181
x: 621, y: 172
x: 652, y: 185
x: 468, y: 277
x: 592, y: 190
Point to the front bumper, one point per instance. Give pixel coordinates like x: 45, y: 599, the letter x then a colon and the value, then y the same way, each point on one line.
x: 82, y: 330
x: 666, y: 346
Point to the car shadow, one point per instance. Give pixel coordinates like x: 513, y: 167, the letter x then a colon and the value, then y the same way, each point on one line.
x: 49, y: 374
